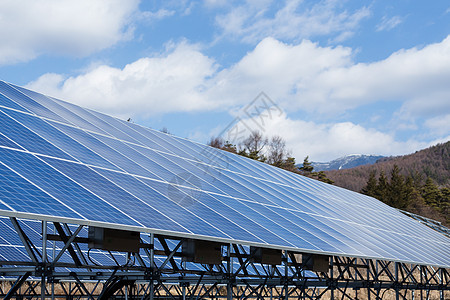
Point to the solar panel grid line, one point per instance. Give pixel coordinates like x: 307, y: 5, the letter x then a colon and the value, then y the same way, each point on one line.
x: 218, y: 220
x: 355, y: 234
x: 135, y: 156
x: 60, y: 144
x: 106, y: 202
x: 53, y: 106
x: 40, y: 189
x: 417, y: 248
x: 8, y: 143
x: 390, y: 228
x: 88, y: 132
x: 99, y: 148
x: 5, y: 102
x: 196, y: 173
x: 87, y: 115
x: 15, y: 253
x: 167, y: 143
x: 249, y: 191
x: 27, y: 102
x: 250, y: 221
x: 126, y: 192
x: 142, y: 200
x: 331, y: 198
x: 179, y: 171
x: 125, y: 141
x: 344, y: 237
x: 293, y: 203
x: 180, y: 175
x: 302, y: 185
x: 267, y: 188
x: 159, y: 151
x: 89, y: 205
x: 23, y: 136
x: 212, y: 207
x: 296, y: 229
x: 395, y: 247
x: 331, y: 209
x: 144, y: 139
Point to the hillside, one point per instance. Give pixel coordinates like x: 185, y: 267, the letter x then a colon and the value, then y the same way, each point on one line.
x: 433, y: 162
x: 418, y: 182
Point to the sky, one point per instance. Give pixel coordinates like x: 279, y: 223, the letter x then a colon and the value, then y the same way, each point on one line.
x: 341, y: 77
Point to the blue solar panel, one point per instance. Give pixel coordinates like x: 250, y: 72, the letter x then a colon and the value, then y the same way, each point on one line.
x: 61, y: 160
x: 27, y: 102
x: 23, y: 196
x: 28, y: 139
x: 4, y: 141
x: 4, y: 101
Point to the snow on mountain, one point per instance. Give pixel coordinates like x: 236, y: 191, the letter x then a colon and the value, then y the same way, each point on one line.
x: 346, y: 162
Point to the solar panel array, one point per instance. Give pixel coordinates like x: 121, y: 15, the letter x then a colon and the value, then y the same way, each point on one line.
x: 60, y: 161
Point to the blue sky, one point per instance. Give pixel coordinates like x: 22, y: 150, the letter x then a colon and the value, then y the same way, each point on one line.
x: 368, y: 77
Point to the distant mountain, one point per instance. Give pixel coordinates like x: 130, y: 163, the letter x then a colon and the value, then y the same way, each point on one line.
x: 346, y: 162
x: 433, y: 162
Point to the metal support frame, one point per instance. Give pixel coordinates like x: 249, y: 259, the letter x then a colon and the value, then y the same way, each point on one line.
x: 161, y: 273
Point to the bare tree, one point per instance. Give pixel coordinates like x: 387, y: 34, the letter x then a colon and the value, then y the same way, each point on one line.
x: 277, y: 153
x: 217, y: 142
x: 253, y: 145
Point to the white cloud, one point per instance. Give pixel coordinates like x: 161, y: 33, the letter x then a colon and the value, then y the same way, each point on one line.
x: 326, y: 141
x: 158, y: 15
x: 387, y: 24
x: 418, y: 78
x: 253, y: 20
x: 439, y: 125
x: 69, y: 27
x: 172, y: 81
x: 318, y: 80
x: 321, y: 82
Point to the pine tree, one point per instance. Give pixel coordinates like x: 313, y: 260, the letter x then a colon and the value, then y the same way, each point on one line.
x: 414, y: 199
x: 382, y: 187
x: 323, y: 177
x: 431, y: 193
x: 307, y: 167
x: 444, y: 206
x: 396, y: 195
x: 371, y: 187
x: 289, y: 164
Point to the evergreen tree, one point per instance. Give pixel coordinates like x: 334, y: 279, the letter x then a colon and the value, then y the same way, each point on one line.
x: 323, y: 177
x: 414, y: 199
x: 382, y: 187
x: 444, y: 206
x: 289, y: 164
x: 396, y: 192
x: 431, y: 193
x: 371, y: 187
x: 307, y: 167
